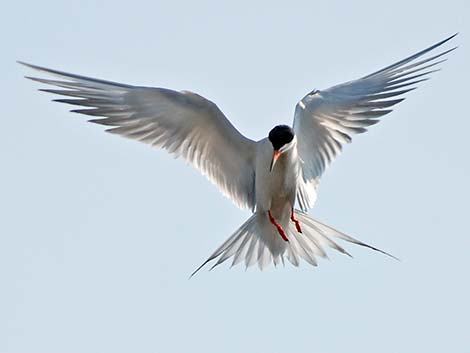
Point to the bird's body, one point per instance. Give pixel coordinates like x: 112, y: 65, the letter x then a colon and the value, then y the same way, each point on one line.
x: 276, y: 189
x: 270, y: 176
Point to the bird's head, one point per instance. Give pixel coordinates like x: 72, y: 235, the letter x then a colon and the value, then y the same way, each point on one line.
x: 282, y: 139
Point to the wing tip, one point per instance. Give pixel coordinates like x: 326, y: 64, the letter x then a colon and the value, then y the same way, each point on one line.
x: 31, y: 66
x: 443, y: 41
x: 201, y: 266
x: 450, y: 37
x: 23, y: 63
x: 438, y: 44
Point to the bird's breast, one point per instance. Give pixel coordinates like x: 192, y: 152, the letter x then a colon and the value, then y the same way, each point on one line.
x: 276, y: 189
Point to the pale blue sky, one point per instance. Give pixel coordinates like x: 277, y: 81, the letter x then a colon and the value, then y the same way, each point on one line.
x: 98, y: 234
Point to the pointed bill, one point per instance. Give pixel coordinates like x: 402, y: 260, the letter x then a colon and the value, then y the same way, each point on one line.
x: 276, y: 155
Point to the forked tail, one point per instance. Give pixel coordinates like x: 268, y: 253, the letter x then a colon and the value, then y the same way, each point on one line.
x: 258, y: 242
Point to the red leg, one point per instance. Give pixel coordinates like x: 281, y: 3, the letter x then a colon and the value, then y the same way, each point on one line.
x: 278, y: 227
x: 297, y: 223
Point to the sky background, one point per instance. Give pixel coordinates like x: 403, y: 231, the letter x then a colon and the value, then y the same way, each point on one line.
x: 98, y: 234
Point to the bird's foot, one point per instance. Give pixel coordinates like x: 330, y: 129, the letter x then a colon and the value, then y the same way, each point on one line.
x: 278, y: 227
x: 296, y: 222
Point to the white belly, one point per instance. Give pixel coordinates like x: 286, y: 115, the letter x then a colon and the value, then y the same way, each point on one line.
x: 276, y: 190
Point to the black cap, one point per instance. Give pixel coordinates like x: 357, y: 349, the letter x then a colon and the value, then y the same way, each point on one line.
x: 280, y: 135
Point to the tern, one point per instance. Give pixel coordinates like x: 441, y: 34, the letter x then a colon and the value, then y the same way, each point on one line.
x: 270, y: 176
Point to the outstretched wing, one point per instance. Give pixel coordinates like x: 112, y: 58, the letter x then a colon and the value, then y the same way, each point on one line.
x: 183, y: 123
x: 326, y: 119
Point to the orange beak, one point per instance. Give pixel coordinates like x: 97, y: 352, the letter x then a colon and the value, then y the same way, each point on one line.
x: 276, y: 155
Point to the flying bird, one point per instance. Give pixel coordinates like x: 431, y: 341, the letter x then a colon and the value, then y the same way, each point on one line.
x: 270, y: 176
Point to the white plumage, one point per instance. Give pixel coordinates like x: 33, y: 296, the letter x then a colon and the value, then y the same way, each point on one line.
x: 267, y: 176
